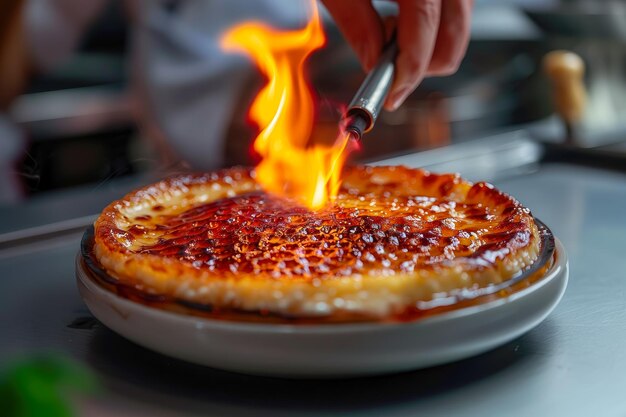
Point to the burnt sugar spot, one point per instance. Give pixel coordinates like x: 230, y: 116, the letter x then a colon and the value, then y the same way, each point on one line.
x: 376, y: 234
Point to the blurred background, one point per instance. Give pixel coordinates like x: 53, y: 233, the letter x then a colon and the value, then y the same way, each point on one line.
x: 111, y: 91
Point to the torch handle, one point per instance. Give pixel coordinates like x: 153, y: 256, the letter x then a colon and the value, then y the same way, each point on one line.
x: 369, y: 99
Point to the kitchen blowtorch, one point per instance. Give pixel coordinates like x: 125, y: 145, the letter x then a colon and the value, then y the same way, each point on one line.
x: 366, y: 105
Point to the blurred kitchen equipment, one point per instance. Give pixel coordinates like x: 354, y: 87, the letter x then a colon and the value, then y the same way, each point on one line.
x: 583, y: 19
x: 565, y: 70
x: 78, y: 117
x: 595, y: 30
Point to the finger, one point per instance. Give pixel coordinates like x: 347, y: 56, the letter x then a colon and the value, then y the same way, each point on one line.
x: 418, y: 23
x: 452, y: 37
x: 361, y: 26
x: 390, y: 23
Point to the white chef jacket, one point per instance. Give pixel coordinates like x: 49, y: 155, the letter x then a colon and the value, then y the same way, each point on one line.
x: 185, y: 84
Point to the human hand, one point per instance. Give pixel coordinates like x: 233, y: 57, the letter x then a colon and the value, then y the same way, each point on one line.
x: 432, y: 37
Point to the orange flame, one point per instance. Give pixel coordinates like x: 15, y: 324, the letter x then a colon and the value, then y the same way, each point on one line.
x: 284, y: 111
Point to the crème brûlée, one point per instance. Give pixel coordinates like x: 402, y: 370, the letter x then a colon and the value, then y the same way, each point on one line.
x: 393, y: 238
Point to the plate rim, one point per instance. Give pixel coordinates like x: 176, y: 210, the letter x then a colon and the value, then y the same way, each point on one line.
x: 560, y: 263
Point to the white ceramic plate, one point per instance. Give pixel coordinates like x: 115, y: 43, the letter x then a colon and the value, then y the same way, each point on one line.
x: 329, y: 350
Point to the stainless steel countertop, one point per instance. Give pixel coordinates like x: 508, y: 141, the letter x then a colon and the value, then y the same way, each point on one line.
x: 573, y: 364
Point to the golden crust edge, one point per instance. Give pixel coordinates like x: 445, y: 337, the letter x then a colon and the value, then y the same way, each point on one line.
x: 364, y: 294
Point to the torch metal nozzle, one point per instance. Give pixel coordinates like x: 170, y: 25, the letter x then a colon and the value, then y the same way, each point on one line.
x: 358, y: 122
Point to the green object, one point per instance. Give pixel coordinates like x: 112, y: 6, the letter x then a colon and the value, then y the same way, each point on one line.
x: 42, y: 387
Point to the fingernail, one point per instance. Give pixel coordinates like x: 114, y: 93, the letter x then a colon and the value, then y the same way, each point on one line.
x: 398, y: 98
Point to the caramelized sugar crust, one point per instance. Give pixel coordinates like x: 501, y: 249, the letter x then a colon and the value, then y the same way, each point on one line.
x: 395, y: 237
